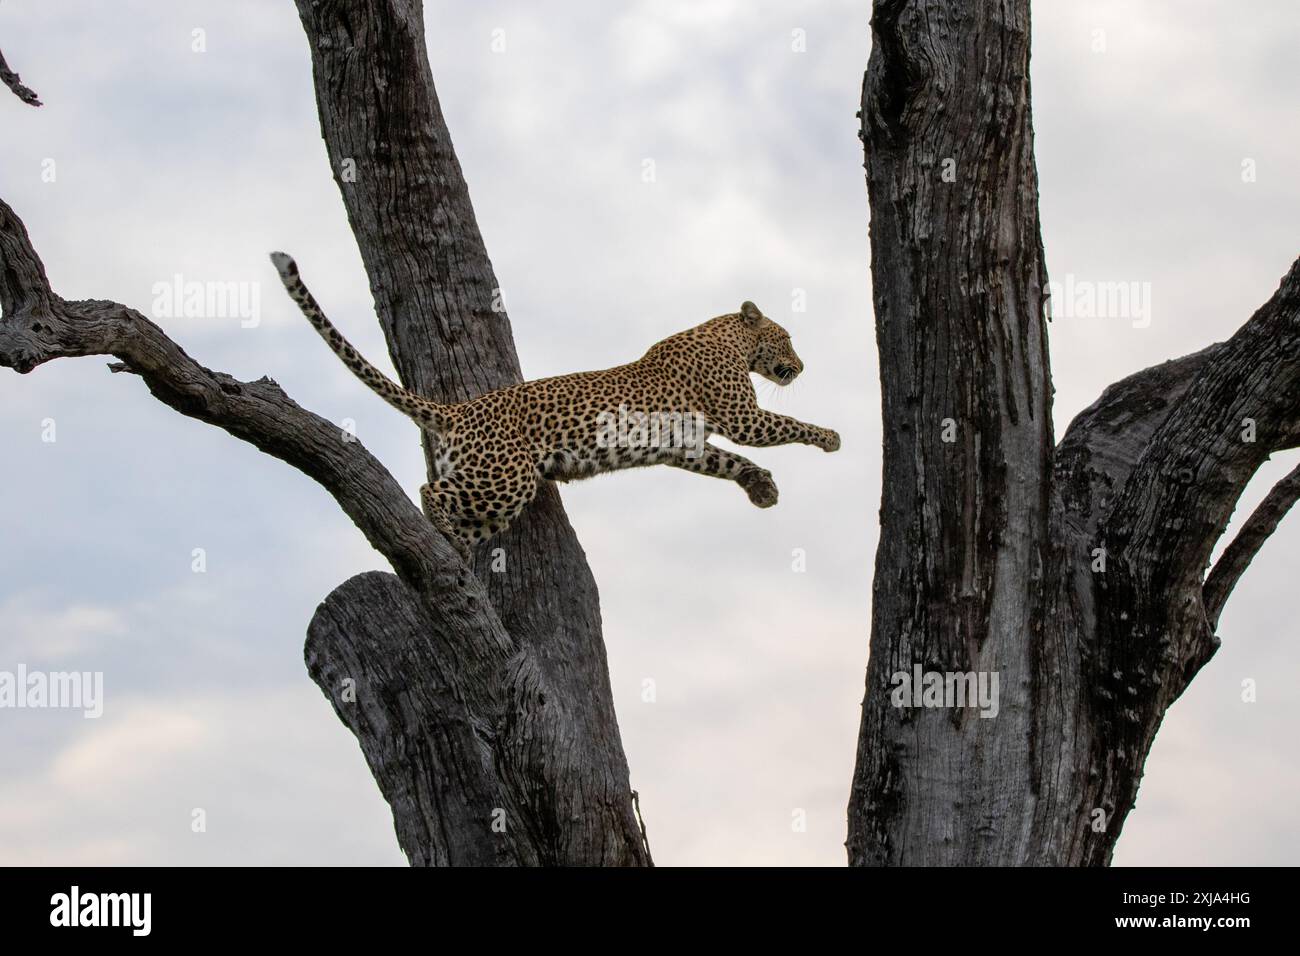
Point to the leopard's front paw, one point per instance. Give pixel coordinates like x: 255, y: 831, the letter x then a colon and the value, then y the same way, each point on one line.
x: 760, y: 487
x: 829, y: 441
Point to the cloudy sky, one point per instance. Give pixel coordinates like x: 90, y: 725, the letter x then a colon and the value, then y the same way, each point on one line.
x: 151, y: 160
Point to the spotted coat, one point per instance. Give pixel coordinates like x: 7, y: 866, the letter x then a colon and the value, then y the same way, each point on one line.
x: 491, y: 452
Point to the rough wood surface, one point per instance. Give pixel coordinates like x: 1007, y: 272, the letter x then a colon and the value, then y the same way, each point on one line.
x: 958, y: 283
x: 10, y: 79
x: 449, y: 337
x: 989, y: 542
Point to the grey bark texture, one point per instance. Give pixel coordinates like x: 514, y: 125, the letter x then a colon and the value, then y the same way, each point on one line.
x: 989, y: 547
x: 480, y: 696
x: 10, y: 79
x: 552, y: 731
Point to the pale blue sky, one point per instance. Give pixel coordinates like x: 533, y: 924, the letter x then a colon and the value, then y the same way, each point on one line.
x: 170, y: 161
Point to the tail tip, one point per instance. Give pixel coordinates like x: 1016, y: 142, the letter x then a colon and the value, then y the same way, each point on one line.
x: 284, y: 264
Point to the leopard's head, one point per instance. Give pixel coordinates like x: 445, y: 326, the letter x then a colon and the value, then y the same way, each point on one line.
x: 771, y: 354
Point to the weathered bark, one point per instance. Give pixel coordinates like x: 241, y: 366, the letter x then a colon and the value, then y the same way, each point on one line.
x: 10, y: 79
x: 1075, y: 572
x: 438, y: 303
x: 481, y: 701
x: 1261, y: 524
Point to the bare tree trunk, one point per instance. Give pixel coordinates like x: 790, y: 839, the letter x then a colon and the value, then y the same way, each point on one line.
x: 480, y: 697
x: 440, y: 308
x: 1074, y: 572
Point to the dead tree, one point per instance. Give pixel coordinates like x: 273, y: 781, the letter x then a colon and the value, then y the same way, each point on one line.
x: 1074, y: 570
x: 480, y: 697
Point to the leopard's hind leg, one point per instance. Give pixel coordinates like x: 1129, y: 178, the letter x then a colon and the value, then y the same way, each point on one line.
x: 436, y: 508
x: 489, y: 491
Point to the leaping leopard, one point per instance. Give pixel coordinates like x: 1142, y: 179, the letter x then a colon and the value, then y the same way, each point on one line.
x: 492, y: 451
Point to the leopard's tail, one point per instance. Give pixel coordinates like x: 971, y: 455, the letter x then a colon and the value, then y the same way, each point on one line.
x: 426, y: 414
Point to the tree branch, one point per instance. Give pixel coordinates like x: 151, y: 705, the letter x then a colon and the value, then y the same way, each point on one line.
x: 23, y: 284
x: 432, y: 760
x: 1243, y: 405
x: 1237, y: 556
x: 38, y: 327
x: 1162, y: 459
x: 10, y: 79
x: 1104, y: 442
x: 1184, y: 429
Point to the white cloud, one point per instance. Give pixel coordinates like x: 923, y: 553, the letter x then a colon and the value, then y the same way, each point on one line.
x: 55, y: 634
x: 278, y: 780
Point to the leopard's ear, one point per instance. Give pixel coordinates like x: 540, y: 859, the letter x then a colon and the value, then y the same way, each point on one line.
x: 749, y: 312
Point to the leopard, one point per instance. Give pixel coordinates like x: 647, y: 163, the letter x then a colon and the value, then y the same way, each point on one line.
x: 492, y: 452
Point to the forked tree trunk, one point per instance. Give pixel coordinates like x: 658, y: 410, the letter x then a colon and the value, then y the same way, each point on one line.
x: 1072, y: 572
